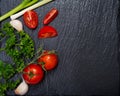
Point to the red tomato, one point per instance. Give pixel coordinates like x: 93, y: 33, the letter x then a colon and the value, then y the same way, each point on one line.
x: 48, y: 60
x: 30, y: 19
x: 33, y: 74
x: 47, y: 32
x: 50, y: 16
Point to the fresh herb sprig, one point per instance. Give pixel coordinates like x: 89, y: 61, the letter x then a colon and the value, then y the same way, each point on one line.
x: 19, y: 46
x: 6, y: 73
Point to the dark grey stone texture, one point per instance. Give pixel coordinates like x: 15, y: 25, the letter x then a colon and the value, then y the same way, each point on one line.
x: 87, y: 44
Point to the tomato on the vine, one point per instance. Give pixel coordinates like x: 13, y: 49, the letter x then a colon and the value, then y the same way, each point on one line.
x: 30, y: 19
x: 48, y: 60
x: 33, y: 74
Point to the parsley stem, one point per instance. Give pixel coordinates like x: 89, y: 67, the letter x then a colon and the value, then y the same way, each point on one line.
x: 17, y: 44
x: 36, y: 54
x: 2, y: 49
x: 2, y: 38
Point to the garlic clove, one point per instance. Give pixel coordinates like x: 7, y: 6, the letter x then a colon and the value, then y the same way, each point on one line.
x: 17, y: 25
x: 22, y: 88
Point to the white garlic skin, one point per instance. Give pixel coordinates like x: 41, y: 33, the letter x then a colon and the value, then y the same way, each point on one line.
x: 17, y: 25
x: 22, y: 88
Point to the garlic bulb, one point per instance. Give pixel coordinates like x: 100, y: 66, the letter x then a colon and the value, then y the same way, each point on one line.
x: 17, y: 25
x: 22, y: 89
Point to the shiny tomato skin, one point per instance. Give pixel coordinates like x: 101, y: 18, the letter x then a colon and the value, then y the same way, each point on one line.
x: 33, y: 74
x: 30, y: 19
x: 50, y: 16
x: 50, y: 61
x: 47, y: 32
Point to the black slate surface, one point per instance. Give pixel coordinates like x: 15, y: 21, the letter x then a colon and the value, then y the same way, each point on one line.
x: 87, y: 44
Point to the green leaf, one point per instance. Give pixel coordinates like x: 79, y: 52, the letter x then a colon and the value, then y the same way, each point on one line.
x: 12, y: 84
x: 19, y: 46
x: 26, y: 45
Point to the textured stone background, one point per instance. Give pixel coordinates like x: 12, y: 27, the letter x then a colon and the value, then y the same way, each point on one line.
x: 87, y: 45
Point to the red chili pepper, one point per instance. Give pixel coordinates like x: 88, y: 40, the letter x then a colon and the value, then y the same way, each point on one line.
x: 50, y: 16
x: 47, y: 32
